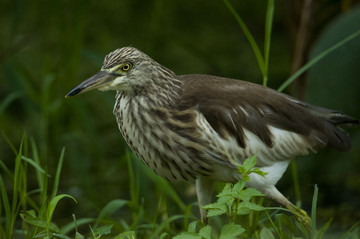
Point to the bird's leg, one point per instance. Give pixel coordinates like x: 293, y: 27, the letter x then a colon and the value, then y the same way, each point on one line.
x: 204, y: 190
x: 301, y: 215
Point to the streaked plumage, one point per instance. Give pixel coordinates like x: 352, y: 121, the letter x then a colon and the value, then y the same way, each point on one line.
x: 186, y: 127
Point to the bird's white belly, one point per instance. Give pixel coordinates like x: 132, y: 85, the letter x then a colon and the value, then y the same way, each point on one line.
x: 286, y: 145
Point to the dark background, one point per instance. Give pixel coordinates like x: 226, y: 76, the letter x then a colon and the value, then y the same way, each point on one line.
x: 48, y: 47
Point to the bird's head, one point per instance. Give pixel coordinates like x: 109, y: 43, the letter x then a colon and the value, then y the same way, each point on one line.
x: 126, y: 69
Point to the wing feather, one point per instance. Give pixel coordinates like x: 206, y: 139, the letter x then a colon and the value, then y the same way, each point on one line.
x: 230, y: 106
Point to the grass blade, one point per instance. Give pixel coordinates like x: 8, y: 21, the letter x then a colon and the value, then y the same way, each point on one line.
x: 109, y: 209
x: 167, y: 189
x: 58, y: 172
x: 18, y: 173
x: 249, y: 36
x: 268, y: 27
x: 51, y: 208
x: 320, y: 234
x: 8, y: 100
x: 9, y: 142
x: 6, y: 170
x: 73, y: 225
x: 33, y: 163
x: 134, y: 185
x: 39, y: 174
x: 295, y: 178
x: 164, y: 224
x: 352, y: 231
x: 6, y: 206
x: 313, y: 211
x: 318, y: 58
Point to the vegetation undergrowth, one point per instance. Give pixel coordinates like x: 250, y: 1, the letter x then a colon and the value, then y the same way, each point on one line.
x: 237, y: 213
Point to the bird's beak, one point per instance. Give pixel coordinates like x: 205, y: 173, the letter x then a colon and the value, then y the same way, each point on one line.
x: 100, y: 79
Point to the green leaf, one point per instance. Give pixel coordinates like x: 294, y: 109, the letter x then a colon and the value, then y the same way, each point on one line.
x: 317, y: 59
x: 238, y: 187
x: 266, y: 234
x: 214, y: 205
x: 246, y: 194
x: 126, y: 235
x: 8, y: 141
x: 192, y: 226
x: 353, y: 232
x: 205, y: 232
x: 230, y: 231
x: 33, y: 163
x: 313, y: 211
x: 248, y: 167
x: 245, y: 208
x: 110, y: 208
x: 5, y: 102
x: 259, y: 172
x: 321, y: 232
x: 226, y: 200
x: 188, y: 235
x: 163, y: 235
x: 38, y: 222
x: 7, y: 208
x: 53, y: 203
x: 166, y: 188
x: 79, y: 236
x: 164, y: 224
x: 241, y: 170
x: 226, y: 190
x: 60, y: 235
x: 72, y: 225
x: 216, y: 210
x: 249, y: 163
x: 42, y: 181
x: 249, y: 36
x: 268, y: 27
x: 18, y: 171
x: 52, y: 235
x: 57, y: 175
x: 104, y: 230
x: 30, y: 213
x: 6, y: 170
x: 333, y: 72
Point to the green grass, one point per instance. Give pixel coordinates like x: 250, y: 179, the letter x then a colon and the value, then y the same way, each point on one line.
x: 316, y: 59
x: 262, y: 59
x: 96, y: 188
x: 237, y: 213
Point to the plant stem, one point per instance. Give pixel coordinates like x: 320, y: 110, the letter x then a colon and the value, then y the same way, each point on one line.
x: 317, y: 59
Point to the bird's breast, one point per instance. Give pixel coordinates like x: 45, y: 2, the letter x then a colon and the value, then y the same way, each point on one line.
x: 161, y: 142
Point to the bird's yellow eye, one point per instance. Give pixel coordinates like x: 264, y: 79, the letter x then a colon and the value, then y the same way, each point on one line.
x: 125, y: 67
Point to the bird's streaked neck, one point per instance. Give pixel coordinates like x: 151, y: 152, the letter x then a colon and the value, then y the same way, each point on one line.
x: 161, y: 87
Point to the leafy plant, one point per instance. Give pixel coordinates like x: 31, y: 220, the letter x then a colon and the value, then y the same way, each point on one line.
x: 233, y: 200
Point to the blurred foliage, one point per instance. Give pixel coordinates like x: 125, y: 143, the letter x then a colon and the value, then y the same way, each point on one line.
x: 48, y: 47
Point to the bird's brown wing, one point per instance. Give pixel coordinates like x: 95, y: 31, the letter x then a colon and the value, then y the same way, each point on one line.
x: 230, y: 106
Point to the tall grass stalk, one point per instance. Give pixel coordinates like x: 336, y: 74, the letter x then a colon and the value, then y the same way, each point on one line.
x: 317, y: 59
x: 18, y: 187
x: 262, y: 59
x: 267, y: 41
x: 313, y: 211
